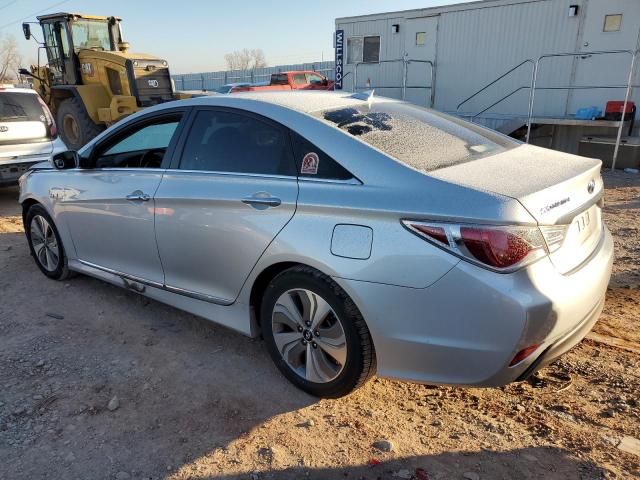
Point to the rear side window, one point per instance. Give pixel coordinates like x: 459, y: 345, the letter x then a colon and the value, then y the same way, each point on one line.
x: 20, y: 107
x: 225, y: 141
x: 423, y: 139
x: 311, y: 162
x: 279, y: 79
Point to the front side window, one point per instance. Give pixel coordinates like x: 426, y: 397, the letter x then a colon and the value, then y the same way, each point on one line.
x: 225, y: 141
x: 92, y: 34
x: 420, y: 138
x: 299, y: 79
x: 314, y: 79
x: 363, y: 49
x: 142, y: 147
x: 51, y: 42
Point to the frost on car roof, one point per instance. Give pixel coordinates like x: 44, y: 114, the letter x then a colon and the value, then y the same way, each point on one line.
x: 309, y: 101
x: 423, y: 139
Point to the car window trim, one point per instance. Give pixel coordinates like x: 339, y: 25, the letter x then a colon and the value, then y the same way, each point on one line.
x: 180, y: 147
x: 134, y: 125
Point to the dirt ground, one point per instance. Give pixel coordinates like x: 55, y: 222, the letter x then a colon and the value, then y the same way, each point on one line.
x: 197, y: 401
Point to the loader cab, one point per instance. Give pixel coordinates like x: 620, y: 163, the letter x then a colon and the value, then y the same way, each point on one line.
x: 66, y: 34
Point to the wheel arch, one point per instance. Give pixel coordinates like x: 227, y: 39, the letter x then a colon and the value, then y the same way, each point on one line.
x: 90, y: 97
x: 259, y: 286
x: 27, y: 203
x: 268, y: 273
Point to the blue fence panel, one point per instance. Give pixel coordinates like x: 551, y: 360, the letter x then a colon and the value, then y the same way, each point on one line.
x: 213, y: 80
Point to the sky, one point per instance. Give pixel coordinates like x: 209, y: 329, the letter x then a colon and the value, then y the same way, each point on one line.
x: 194, y: 35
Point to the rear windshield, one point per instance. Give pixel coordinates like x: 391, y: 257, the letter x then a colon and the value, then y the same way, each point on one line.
x: 20, y: 107
x: 423, y: 139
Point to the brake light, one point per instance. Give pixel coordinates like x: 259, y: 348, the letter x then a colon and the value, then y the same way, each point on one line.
x: 52, y: 130
x: 500, y: 248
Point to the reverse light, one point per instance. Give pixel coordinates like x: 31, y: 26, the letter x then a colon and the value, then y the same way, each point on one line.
x: 554, y: 236
x: 500, y: 248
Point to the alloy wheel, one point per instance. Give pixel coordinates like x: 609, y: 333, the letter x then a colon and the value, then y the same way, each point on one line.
x: 309, y: 335
x: 44, y: 243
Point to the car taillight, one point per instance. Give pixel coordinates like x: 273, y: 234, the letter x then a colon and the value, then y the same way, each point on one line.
x: 52, y: 130
x: 500, y: 248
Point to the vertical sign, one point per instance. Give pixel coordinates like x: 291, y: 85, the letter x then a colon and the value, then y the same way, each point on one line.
x: 339, y: 44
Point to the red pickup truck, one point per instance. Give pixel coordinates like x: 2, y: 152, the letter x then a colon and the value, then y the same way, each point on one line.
x: 295, y: 80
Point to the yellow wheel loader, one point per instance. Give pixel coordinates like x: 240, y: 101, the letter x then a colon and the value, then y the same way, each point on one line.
x: 91, y: 80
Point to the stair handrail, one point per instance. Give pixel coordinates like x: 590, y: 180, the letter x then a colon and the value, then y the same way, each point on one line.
x: 534, y: 78
x: 493, y: 82
x: 472, y: 118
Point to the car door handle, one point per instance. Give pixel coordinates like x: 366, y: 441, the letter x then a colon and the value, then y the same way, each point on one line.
x: 265, y: 201
x: 139, y: 196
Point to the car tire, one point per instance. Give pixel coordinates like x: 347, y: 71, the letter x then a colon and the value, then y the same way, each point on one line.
x: 42, y: 235
x: 337, y: 332
x: 74, y: 124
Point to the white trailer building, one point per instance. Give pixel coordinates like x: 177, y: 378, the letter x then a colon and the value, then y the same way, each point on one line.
x: 478, y: 59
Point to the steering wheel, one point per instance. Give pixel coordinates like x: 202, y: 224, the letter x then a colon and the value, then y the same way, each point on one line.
x: 152, y: 158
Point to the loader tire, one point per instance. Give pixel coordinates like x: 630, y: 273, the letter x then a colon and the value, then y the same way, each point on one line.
x: 74, y: 124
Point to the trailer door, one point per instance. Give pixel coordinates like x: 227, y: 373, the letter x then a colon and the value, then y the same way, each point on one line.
x: 420, y: 46
x: 611, y: 25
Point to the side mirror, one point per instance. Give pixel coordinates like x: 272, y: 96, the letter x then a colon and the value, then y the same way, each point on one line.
x: 66, y: 160
x: 325, y: 82
x: 26, y: 29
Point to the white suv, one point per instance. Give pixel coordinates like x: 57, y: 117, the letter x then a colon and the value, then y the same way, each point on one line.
x: 28, y: 132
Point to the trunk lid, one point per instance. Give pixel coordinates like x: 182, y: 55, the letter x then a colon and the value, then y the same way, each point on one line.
x: 556, y: 188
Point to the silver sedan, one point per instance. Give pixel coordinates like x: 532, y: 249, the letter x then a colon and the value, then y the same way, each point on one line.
x: 356, y: 234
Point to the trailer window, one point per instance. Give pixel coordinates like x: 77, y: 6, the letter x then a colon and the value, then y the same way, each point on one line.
x: 422, y: 139
x: 612, y: 23
x: 371, y: 50
x: 363, y: 49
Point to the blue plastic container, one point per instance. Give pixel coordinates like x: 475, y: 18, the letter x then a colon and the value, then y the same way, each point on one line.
x: 588, y: 113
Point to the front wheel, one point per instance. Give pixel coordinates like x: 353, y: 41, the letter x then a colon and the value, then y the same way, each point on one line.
x: 315, y: 334
x: 45, y: 244
x: 75, y: 126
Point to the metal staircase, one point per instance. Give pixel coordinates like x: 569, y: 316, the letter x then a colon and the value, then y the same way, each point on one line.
x: 513, y: 122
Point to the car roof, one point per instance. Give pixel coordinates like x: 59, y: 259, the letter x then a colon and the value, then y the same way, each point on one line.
x: 16, y: 89
x: 302, y: 101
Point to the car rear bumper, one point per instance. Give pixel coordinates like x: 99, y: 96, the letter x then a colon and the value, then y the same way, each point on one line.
x: 466, y: 328
x: 11, y: 171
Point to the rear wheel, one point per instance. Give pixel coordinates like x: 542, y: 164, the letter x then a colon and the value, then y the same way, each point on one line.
x: 76, y: 127
x: 315, y: 334
x: 45, y: 244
